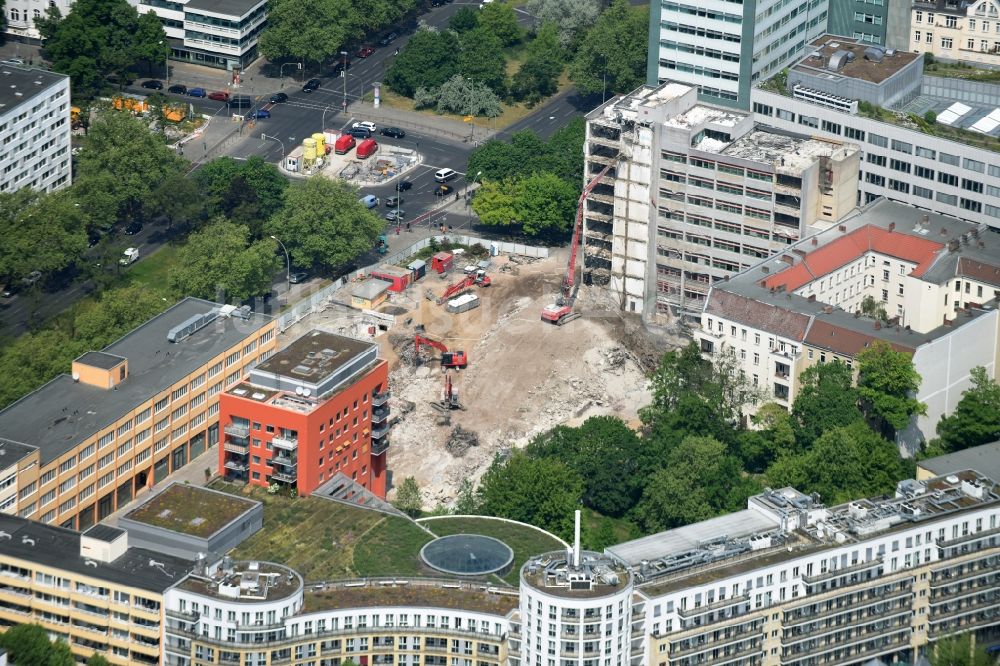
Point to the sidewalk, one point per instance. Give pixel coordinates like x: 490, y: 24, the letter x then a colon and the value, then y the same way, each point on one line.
x: 431, y: 124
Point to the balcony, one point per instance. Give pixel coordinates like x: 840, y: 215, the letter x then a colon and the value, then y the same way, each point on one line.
x: 237, y: 431
x: 287, y: 462
x: 380, y: 415
x: 236, y: 466
x: 285, y: 443
x: 846, y: 571
x: 236, y: 447
x: 284, y: 477
x: 378, y: 432
x: 379, y: 399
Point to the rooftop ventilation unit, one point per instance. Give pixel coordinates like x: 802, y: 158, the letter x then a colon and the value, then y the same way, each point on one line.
x: 245, y: 312
x: 874, y: 53
x: 191, y: 325
x: 838, y: 60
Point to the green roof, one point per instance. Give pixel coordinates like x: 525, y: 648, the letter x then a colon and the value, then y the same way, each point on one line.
x: 191, y: 510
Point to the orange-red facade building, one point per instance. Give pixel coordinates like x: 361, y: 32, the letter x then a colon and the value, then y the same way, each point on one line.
x: 314, y: 410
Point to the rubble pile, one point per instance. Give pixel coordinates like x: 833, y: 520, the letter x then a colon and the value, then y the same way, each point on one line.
x: 460, y: 441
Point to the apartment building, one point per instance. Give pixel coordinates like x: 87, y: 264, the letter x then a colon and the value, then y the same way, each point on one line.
x: 34, y: 129
x: 132, y: 413
x: 791, y: 581
x: 261, y: 613
x: 936, y: 278
x: 953, y: 30
x: 212, y: 33
x: 316, y: 409
x: 721, y: 47
x: 697, y: 193
x: 89, y: 590
x: 899, y: 162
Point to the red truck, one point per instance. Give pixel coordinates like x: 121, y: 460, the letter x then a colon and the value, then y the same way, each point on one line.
x: 344, y: 144
x: 367, y: 148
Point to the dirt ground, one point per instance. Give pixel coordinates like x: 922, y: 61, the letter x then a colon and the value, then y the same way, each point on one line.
x: 524, y: 376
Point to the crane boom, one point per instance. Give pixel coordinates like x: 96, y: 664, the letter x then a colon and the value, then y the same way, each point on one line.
x: 569, y: 279
x: 450, y: 359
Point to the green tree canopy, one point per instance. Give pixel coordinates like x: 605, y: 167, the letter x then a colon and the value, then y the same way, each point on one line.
x: 538, y: 75
x: 481, y: 59
x: 773, y: 436
x: 959, y: 651
x: 976, y: 419
x: 570, y: 18
x: 97, y: 659
x: 428, y: 60
x: 43, y: 232
x: 527, y: 154
x: 605, y: 453
x: 29, y: 645
x: 612, y: 56
x: 408, y: 497
x: 116, y: 312
x: 538, y: 204
x: 843, y: 464
x: 498, y: 18
x: 541, y: 492
x: 178, y: 202
x: 699, y: 480
x: 222, y: 262
x: 887, y: 381
x: 826, y: 399
x: 323, y: 225
x: 464, y: 20
x: 247, y: 192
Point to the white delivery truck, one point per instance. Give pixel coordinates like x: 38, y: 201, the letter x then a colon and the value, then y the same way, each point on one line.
x: 131, y: 255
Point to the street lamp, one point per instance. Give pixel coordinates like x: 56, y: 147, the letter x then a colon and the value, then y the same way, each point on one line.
x: 343, y: 73
x: 281, y: 70
x: 288, y: 263
x: 264, y: 137
x: 166, y: 62
x: 468, y: 194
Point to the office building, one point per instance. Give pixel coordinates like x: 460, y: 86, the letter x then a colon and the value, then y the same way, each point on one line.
x: 132, y: 413
x: 34, y: 129
x: 900, y: 162
x: 959, y: 31
x: 936, y: 278
x: 89, y: 590
x: 722, y: 47
x: 698, y: 192
x: 880, y: 22
x: 316, y: 409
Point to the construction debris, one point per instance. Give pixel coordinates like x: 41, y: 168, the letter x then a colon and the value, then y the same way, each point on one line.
x: 460, y: 441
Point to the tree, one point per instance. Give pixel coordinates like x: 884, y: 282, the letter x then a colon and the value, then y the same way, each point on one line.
x: 605, y: 453
x: 323, y: 225
x: 612, y: 56
x: 930, y: 117
x: 539, y: 204
x: 466, y: 502
x: 976, y: 419
x: 538, y: 76
x: 222, y: 262
x: 887, y: 381
x: 481, y: 60
x: 464, y: 20
x: 116, y: 312
x: 97, y: 659
x: 408, y: 498
x: 119, y: 164
x: 498, y: 160
x: 827, y: 399
x: 959, y: 651
x: 843, y: 464
x: 498, y: 18
x: 305, y: 30
x: 571, y: 18
x: 29, y: 645
x: 428, y: 60
x: 461, y: 96
x: 541, y: 492
x: 43, y: 232
x: 698, y: 481
x: 774, y: 435
x: 874, y: 309
x: 247, y: 192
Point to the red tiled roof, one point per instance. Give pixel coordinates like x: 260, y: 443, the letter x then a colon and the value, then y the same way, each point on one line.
x: 978, y: 271
x: 844, y: 341
x: 850, y: 247
x: 766, y: 317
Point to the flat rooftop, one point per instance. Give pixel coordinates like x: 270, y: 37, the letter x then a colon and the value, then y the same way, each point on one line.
x: 984, y: 459
x: 61, y: 414
x: 46, y: 545
x: 465, y: 596
x: 19, y: 85
x: 645, y: 97
x: 101, y: 360
x: 596, y: 576
x: 315, y: 356
x: 789, y: 154
x: 247, y: 582
x: 234, y: 8
x: 191, y: 510
x: 12, y: 452
x: 870, y: 63
x: 701, y: 114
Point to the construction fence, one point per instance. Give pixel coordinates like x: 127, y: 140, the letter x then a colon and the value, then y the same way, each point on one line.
x: 317, y: 299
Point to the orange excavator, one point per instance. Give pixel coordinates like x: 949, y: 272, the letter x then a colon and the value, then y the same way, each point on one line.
x: 479, y: 278
x: 449, y: 359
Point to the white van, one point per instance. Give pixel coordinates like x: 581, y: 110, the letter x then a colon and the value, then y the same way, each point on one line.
x: 444, y: 175
x: 130, y: 256
x: 369, y: 201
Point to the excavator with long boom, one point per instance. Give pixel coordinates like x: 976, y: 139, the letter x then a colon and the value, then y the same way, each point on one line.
x: 449, y: 359
x: 478, y: 278
x: 561, y: 312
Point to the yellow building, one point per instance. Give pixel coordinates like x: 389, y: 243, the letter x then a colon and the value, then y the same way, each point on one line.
x: 89, y: 590
x: 130, y: 414
x: 968, y: 31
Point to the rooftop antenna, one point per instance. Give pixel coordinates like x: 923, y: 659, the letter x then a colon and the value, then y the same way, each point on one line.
x: 576, y: 540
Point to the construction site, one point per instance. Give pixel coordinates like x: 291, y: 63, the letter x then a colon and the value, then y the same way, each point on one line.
x: 468, y: 384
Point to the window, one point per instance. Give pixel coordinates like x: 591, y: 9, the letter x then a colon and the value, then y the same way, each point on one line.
x: 948, y: 159
x: 947, y: 42
x: 162, y: 403
x: 878, y: 140
x: 972, y: 185
x: 926, y: 152
x: 948, y: 179
x: 179, y: 393
x: 951, y: 21
x: 950, y: 199
x: 974, y: 165
x: 902, y: 146
x: 923, y: 172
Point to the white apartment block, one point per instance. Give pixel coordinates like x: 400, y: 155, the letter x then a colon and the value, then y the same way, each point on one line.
x: 22, y: 14
x: 723, y: 46
x: 34, y: 129
x: 937, y: 278
x: 698, y: 193
x: 952, y: 30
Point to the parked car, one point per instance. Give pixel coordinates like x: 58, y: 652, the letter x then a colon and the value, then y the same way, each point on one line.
x: 444, y: 175
x: 395, y: 215
x: 403, y: 185
x: 240, y: 102
x: 366, y: 51
x: 12, y: 61
x: 196, y: 92
x: 133, y: 228
x: 278, y: 98
x: 298, y: 277
x: 394, y: 132
x: 219, y: 96
x: 443, y: 190
x: 31, y: 278
x: 259, y: 114
x: 153, y: 84
x: 392, y: 202
x: 311, y: 84
x: 368, y: 201
x: 178, y: 89
x: 361, y: 132
x: 114, y: 79
x: 365, y: 124
x: 388, y: 39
